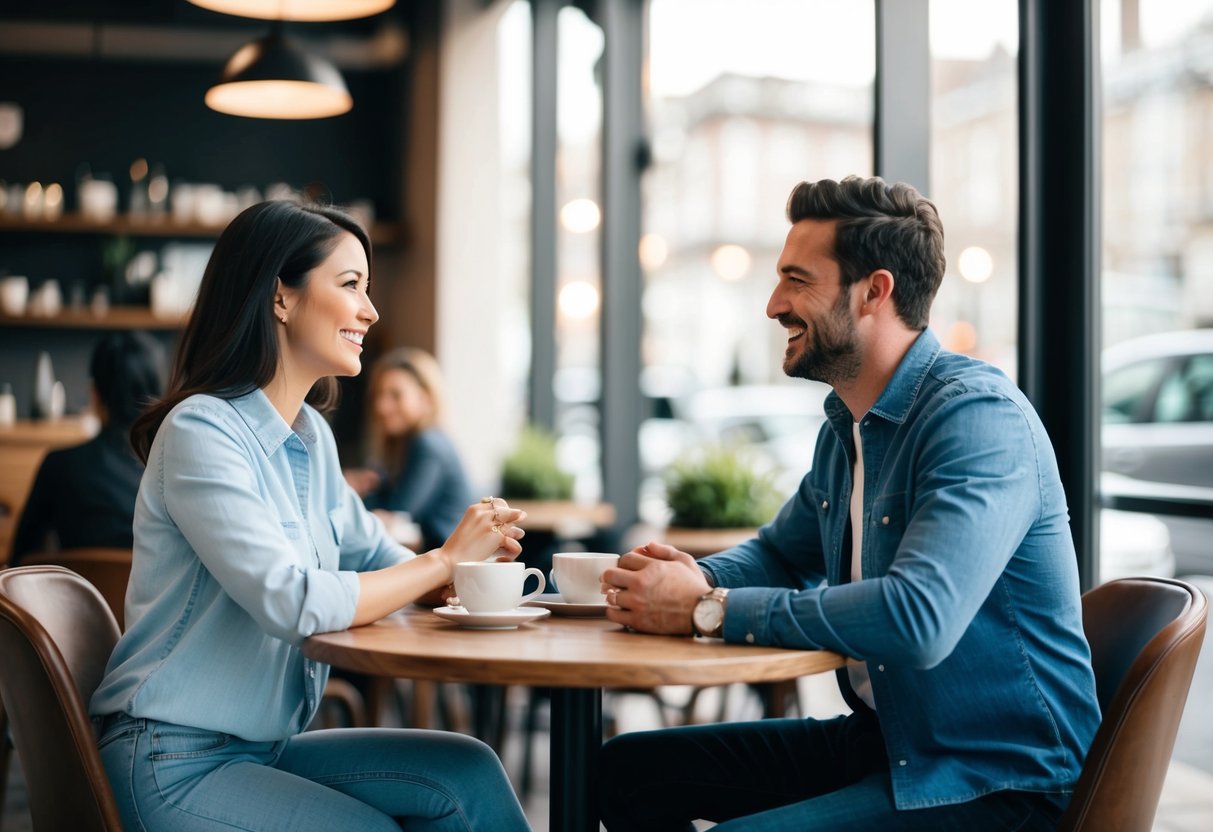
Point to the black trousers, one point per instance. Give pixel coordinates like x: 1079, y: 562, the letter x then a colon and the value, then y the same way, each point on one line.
x: 777, y: 774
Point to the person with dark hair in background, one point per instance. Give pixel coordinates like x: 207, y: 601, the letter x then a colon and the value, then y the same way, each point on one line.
x: 247, y: 541
x: 929, y: 542
x: 84, y: 496
x: 415, y: 467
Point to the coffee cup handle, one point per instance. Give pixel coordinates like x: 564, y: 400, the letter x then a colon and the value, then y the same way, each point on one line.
x: 538, y: 574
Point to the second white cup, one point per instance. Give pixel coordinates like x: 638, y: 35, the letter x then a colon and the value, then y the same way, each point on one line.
x: 494, y: 586
x: 578, y: 575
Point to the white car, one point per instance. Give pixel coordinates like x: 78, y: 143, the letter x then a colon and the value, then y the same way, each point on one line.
x: 1158, y: 425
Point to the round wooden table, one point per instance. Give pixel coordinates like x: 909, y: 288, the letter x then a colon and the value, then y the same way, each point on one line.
x: 576, y: 657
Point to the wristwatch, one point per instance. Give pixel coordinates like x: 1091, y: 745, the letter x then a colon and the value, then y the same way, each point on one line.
x: 708, y: 617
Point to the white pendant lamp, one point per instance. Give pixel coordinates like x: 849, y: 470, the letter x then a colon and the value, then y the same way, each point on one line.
x: 300, y: 10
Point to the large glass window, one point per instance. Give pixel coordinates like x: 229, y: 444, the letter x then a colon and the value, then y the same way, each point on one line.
x: 974, y: 174
x: 745, y: 100
x: 1157, y: 293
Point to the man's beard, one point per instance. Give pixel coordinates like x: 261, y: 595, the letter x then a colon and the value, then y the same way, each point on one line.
x: 831, y: 350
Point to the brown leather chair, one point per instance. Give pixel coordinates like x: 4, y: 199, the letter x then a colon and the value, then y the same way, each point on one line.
x: 56, y: 634
x: 107, y: 569
x: 1145, y: 636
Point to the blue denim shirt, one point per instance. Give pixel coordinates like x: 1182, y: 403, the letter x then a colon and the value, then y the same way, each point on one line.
x: 969, y: 614
x: 247, y: 541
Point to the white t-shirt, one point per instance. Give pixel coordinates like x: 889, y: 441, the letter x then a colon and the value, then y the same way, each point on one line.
x: 860, y: 680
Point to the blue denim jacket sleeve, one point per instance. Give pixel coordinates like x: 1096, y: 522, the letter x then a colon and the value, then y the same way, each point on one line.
x: 210, y: 494
x: 975, y: 493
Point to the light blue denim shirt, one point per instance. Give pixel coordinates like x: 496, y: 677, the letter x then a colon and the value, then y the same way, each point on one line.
x: 969, y: 614
x: 247, y: 541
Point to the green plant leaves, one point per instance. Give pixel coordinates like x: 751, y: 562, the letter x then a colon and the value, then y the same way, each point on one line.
x: 716, y: 488
x: 530, y: 471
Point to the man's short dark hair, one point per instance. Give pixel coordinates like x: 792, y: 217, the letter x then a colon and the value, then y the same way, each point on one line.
x: 880, y: 226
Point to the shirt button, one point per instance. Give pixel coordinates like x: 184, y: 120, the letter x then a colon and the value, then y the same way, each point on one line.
x: 901, y: 762
x: 885, y: 520
x: 880, y: 667
x: 749, y: 638
x: 825, y: 504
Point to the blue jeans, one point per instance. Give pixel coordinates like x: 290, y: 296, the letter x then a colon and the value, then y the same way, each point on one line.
x: 172, y: 777
x: 782, y: 774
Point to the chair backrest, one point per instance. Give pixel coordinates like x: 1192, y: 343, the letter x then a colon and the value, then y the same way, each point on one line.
x: 56, y: 635
x: 107, y: 569
x: 1145, y: 636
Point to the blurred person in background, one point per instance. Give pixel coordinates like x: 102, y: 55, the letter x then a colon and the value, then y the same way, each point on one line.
x: 415, y: 468
x: 84, y: 497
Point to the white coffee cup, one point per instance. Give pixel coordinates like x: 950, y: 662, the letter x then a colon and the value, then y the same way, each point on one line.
x: 14, y: 294
x: 579, y: 575
x: 494, y: 586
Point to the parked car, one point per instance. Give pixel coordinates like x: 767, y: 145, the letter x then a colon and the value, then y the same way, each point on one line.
x: 1158, y: 425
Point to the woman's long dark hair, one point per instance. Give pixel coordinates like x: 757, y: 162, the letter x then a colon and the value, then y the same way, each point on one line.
x: 230, y: 345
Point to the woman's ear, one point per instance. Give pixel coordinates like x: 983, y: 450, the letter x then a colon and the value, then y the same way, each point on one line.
x: 279, y: 300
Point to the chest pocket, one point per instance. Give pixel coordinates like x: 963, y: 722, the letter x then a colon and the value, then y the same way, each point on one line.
x: 888, y: 518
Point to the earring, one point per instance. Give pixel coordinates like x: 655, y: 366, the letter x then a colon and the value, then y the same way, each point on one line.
x: 282, y: 318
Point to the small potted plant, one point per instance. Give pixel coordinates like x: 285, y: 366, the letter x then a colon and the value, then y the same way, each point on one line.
x: 717, y: 499
x: 530, y: 472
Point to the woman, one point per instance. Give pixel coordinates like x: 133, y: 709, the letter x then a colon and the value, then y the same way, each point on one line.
x: 247, y: 541
x: 417, y: 469
x: 84, y: 496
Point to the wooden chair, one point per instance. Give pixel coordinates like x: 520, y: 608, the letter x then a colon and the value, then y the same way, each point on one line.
x: 56, y: 634
x: 1145, y: 636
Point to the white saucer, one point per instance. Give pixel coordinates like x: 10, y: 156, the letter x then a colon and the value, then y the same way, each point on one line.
x: 508, y: 620
x: 555, y: 602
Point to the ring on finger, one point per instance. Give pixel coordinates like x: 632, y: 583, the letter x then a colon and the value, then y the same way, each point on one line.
x: 496, y: 529
x: 487, y: 499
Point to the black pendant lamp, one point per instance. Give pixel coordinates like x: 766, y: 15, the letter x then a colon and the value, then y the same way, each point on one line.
x: 275, y: 78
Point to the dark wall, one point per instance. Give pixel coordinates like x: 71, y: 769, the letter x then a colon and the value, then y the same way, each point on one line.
x: 107, y: 113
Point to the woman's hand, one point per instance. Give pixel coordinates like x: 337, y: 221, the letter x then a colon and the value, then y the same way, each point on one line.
x: 487, y: 529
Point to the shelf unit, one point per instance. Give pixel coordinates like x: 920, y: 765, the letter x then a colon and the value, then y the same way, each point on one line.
x: 381, y: 233
x: 118, y: 317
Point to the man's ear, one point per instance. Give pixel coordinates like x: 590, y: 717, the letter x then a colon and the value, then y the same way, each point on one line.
x: 878, y: 290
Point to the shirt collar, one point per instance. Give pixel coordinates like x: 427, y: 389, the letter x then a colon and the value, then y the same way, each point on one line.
x: 267, y: 424
x: 899, y: 394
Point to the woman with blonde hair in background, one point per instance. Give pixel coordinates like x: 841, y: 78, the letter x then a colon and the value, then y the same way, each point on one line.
x: 415, y: 467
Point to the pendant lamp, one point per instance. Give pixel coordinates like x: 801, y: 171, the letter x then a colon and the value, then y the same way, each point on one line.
x: 301, y: 10
x: 274, y: 78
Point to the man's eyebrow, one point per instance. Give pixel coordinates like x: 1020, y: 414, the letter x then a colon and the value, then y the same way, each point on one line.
x: 792, y: 268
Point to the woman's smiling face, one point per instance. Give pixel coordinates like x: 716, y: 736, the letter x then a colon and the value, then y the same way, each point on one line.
x: 327, y: 319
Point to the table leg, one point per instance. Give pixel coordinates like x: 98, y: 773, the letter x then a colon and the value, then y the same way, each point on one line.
x: 576, y: 740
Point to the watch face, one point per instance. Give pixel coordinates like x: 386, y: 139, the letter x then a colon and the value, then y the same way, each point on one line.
x: 708, y: 614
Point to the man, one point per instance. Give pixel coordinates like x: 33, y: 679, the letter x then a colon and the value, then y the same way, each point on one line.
x: 929, y: 541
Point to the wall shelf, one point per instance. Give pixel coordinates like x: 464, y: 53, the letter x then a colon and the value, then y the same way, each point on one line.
x: 118, y: 317
x: 381, y: 233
